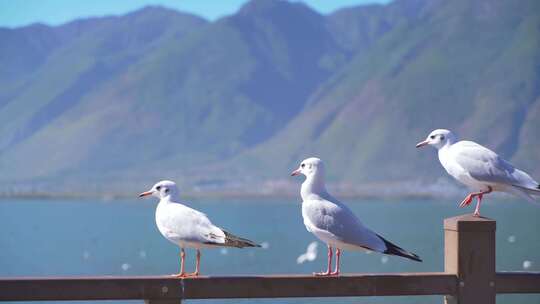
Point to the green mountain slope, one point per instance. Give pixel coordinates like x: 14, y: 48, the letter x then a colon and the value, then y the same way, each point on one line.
x: 118, y: 102
x: 470, y: 67
x: 106, y: 104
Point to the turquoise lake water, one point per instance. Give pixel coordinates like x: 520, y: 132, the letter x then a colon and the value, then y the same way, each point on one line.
x: 93, y: 237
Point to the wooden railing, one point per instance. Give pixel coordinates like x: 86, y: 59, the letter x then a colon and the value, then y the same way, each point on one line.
x: 469, y: 277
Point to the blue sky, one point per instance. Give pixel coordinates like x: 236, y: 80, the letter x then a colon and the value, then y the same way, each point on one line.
x: 14, y: 13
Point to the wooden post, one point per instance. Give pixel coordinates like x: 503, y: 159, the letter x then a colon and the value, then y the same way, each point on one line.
x: 469, y: 252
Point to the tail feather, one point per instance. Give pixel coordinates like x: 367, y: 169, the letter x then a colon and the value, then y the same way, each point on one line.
x: 521, y: 192
x: 393, y: 249
x: 235, y: 241
x: 533, y: 191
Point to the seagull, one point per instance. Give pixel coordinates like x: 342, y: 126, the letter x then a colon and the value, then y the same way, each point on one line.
x: 187, y: 227
x: 479, y: 168
x: 310, y: 254
x: 334, y: 223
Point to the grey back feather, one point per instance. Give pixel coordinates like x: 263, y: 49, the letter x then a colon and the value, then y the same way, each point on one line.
x: 486, y: 166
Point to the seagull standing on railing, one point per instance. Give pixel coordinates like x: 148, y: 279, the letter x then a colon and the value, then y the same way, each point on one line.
x: 479, y: 168
x: 187, y: 227
x: 334, y: 223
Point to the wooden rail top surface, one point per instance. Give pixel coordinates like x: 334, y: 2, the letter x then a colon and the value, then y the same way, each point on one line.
x: 258, y: 286
x: 208, y: 287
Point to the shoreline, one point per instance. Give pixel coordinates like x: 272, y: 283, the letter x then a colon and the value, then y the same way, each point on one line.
x: 226, y: 195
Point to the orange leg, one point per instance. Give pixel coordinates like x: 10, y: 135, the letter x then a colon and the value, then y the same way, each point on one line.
x: 479, y: 195
x: 338, y: 255
x: 197, y: 265
x: 467, y: 201
x: 477, y: 209
x: 182, y: 262
x: 479, y: 199
x: 329, y: 269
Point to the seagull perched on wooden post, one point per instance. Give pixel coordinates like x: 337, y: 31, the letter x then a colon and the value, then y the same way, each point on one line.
x: 334, y: 223
x: 479, y: 168
x: 187, y: 227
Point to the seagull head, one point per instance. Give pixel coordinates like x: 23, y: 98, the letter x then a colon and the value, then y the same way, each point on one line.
x: 162, y: 189
x: 309, y: 167
x: 438, y: 139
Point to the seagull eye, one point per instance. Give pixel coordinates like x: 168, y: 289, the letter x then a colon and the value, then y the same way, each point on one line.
x: 158, y: 188
x: 432, y: 137
x: 302, y: 165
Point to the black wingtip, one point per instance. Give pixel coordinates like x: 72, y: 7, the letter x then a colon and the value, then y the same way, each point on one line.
x: 403, y: 253
x: 538, y: 187
x: 248, y: 243
x: 396, y: 250
x: 414, y: 257
x: 235, y: 241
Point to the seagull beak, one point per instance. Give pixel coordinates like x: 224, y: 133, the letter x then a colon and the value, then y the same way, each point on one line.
x: 422, y: 143
x: 295, y: 172
x: 145, y: 193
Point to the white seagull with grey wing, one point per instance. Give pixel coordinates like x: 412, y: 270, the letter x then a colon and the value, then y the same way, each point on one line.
x: 479, y: 168
x: 334, y: 223
x: 187, y: 227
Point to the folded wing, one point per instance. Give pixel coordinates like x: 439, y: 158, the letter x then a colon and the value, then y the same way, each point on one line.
x: 340, y: 222
x: 183, y: 224
x: 486, y: 166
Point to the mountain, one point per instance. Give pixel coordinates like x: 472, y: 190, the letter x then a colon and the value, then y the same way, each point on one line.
x: 114, y: 103
x: 470, y: 67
